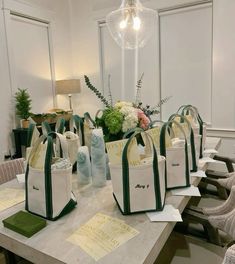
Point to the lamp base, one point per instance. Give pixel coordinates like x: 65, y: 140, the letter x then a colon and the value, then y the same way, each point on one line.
x: 70, y: 102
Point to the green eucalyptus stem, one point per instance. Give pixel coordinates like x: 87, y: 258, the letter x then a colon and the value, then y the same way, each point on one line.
x: 138, y: 90
x: 97, y: 92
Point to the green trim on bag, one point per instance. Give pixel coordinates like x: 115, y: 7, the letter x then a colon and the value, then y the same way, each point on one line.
x: 46, y: 126
x: 26, y: 187
x: 79, y: 124
x: 47, y: 174
x: 30, y: 134
x: 200, y: 122
x: 139, y: 212
x: 61, y: 126
x: 125, y: 177
x: 87, y: 117
x: 163, y: 153
x: 67, y: 209
x: 183, y: 119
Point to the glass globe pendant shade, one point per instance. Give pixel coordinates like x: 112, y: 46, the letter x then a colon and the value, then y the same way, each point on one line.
x: 131, y: 25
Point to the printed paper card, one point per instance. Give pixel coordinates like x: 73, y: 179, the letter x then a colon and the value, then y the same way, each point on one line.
x: 210, y: 151
x: 169, y: 214
x: 187, y: 191
x: 101, y: 235
x: 115, y: 150
x: 10, y: 197
x: 198, y: 173
x: 20, y: 177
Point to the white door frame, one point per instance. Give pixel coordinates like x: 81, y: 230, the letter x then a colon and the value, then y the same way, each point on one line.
x: 177, y: 9
x: 36, y: 15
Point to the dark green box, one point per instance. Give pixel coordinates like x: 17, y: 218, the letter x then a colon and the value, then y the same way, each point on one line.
x: 24, y: 223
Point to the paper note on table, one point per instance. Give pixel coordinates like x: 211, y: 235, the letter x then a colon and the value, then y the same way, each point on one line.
x: 101, y: 235
x: 207, y: 160
x: 210, y: 151
x: 169, y: 214
x: 187, y: 191
x: 10, y: 197
x: 198, y: 173
x: 20, y: 178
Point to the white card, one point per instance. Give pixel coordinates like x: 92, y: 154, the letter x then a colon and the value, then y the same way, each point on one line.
x: 210, y: 151
x: 198, y: 173
x: 187, y: 191
x: 205, y: 160
x: 20, y: 178
x: 169, y: 214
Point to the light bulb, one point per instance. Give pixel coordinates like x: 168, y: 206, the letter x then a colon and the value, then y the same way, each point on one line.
x: 123, y: 24
x: 132, y: 25
x: 136, y: 23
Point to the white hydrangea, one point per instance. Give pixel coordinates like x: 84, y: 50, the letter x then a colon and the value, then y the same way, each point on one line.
x: 121, y: 104
x: 128, y: 110
x: 130, y: 121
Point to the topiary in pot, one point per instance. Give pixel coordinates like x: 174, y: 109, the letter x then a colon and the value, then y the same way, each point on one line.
x: 23, y: 105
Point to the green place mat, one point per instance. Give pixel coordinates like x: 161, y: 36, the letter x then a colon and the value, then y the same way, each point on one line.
x: 24, y: 223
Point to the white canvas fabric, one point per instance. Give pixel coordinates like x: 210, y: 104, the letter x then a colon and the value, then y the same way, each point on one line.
x: 177, y: 161
x: 192, y: 139
x: 57, y: 174
x: 73, y: 145
x: 146, y: 184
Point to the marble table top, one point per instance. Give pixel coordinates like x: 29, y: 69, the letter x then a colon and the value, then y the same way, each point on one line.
x: 50, y: 245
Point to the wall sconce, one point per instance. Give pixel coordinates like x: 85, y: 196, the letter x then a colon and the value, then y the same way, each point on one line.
x: 68, y: 87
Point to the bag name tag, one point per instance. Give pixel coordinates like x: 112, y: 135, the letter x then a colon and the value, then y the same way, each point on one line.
x: 175, y: 164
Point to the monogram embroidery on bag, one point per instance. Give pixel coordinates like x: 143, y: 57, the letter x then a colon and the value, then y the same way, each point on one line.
x: 138, y: 186
x: 175, y: 164
x: 35, y: 188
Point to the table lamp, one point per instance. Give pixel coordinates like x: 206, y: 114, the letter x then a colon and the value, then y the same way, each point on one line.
x: 68, y: 87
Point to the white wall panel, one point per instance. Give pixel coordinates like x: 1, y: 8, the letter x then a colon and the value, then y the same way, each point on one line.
x: 186, y: 62
x: 224, y: 64
x: 32, y: 61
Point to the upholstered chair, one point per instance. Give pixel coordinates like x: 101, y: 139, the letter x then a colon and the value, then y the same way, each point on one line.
x: 9, y: 169
x: 229, y: 257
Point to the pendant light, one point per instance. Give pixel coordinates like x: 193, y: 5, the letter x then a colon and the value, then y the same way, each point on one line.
x: 131, y: 25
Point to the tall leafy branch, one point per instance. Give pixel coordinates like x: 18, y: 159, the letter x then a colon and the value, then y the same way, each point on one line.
x: 97, y: 92
x: 138, y: 90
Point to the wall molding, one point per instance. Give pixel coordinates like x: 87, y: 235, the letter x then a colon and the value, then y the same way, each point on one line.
x: 23, y: 11
x: 220, y: 132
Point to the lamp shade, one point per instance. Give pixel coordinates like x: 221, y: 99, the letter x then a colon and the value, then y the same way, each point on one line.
x: 68, y: 86
x: 132, y: 24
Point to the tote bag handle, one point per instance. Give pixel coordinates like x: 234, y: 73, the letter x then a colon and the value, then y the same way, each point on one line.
x: 199, y: 120
x: 191, y: 137
x: 79, y: 125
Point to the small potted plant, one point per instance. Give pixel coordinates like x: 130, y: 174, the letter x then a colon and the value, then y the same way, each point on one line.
x: 23, y: 106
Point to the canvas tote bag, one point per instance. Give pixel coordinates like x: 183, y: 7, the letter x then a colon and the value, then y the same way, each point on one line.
x: 139, y: 188
x: 48, y: 184
x: 177, y: 163
x: 193, y: 155
x: 192, y: 113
